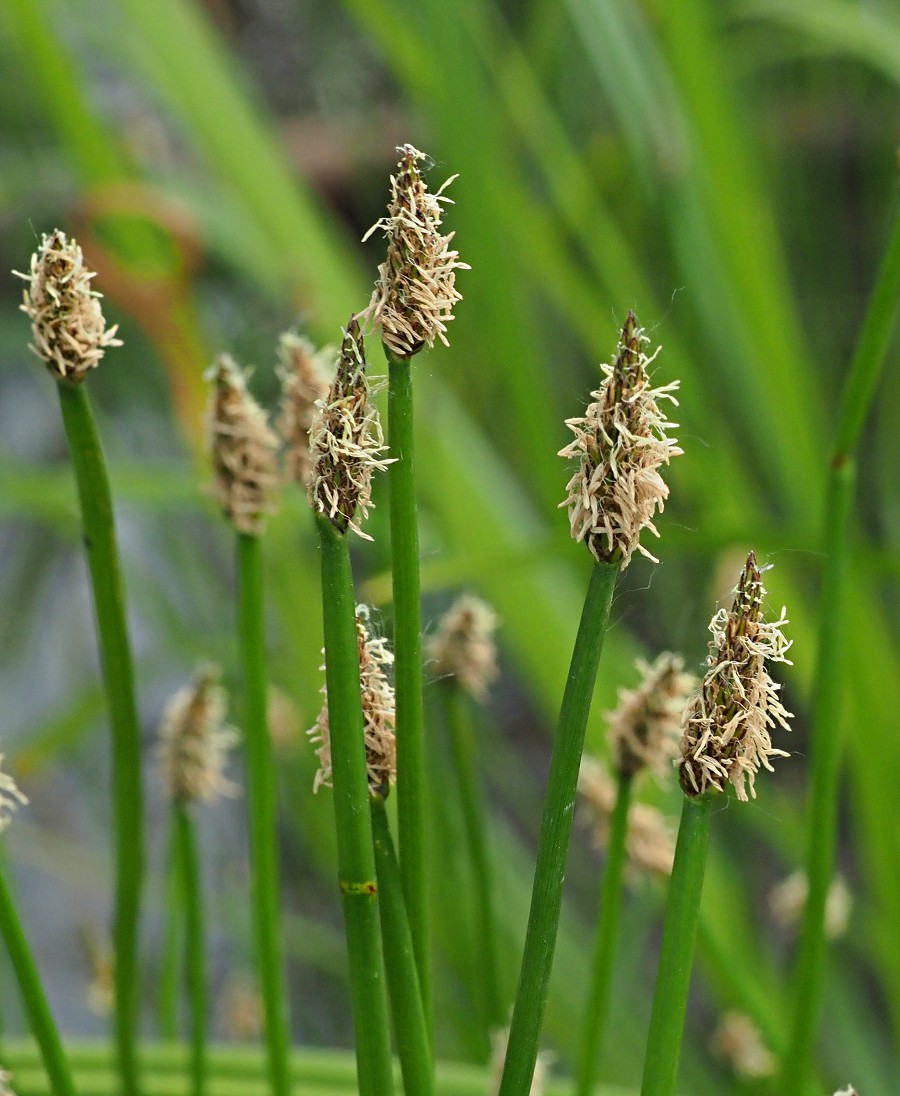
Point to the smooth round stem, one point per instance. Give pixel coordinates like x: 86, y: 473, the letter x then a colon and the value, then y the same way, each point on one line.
x: 459, y: 726
x: 353, y: 820
x: 410, y: 1028
x: 118, y: 680
x: 261, y: 808
x: 411, y: 814
x: 673, y: 975
x: 605, y: 945
x: 556, y: 828
x: 40, y: 1018
x: 195, y: 963
x: 172, y: 944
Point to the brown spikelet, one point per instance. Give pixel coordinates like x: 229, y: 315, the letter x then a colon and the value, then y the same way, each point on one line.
x: 621, y: 443
x: 243, y: 449
x: 305, y: 375
x: 416, y: 289
x: 739, y: 1042
x: 67, y: 323
x: 463, y: 646
x: 725, y: 731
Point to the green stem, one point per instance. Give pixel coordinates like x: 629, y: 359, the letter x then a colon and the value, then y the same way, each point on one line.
x: 118, y: 680
x: 194, y: 944
x: 43, y: 1026
x: 353, y: 820
x: 556, y: 827
x: 676, y: 954
x: 410, y: 1027
x: 408, y: 663
x: 826, y: 727
x: 605, y: 946
x: 261, y: 808
x: 475, y: 824
x: 172, y: 945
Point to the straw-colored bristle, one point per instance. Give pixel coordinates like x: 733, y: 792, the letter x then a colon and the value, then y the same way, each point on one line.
x: 463, y: 646
x: 650, y: 844
x: 739, y: 1042
x: 194, y: 740
x: 416, y: 289
x: 378, y: 707
x: 727, y: 721
x: 10, y: 798
x: 645, y: 726
x: 620, y: 443
x: 346, y: 441
x: 243, y: 448
x: 67, y: 323
x: 305, y: 375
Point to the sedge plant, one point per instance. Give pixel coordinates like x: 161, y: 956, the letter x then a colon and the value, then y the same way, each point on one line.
x: 643, y: 735
x: 243, y: 449
x: 346, y: 446
x: 71, y: 337
x: 412, y: 303
x: 192, y: 751
x: 621, y: 442
x: 725, y: 741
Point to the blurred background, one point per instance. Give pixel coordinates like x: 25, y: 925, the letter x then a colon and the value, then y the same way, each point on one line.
x: 727, y: 169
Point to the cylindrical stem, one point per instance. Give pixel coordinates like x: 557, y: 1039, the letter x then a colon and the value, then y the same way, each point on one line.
x: 556, y: 827
x: 408, y: 662
x: 261, y: 808
x: 353, y: 820
x: 677, y: 953
x: 169, y: 978
x: 410, y: 1029
x: 43, y: 1026
x: 195, y: 966
x: 118, y: 680
x: 605, y: 946
x: 474, y: 821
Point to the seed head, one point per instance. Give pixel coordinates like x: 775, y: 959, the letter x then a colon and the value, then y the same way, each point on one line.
x: 378, y: 709
x: 10, y: 798
x: 5, y: 1079
x: 739, y: 1042
x: 621, y: 443
x: 194, y: 740
x: 725, y: 730
x: 788, y: 899
x: 67, y: 323
x: 305, y: 376
x: 463, y: 646
x: 345, y: 441
x: 416, y: 289
x: 243, y: 448
x: 649, y: 844
x: 645, y: 727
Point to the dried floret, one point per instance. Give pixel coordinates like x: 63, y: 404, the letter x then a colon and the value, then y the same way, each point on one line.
x: 739, y: 1042
x: 67, y: 324
x: 305, y: 375
x: 416, y: 289
x: 463, y: 646
x: 621, y: 443
x: 727, y: 722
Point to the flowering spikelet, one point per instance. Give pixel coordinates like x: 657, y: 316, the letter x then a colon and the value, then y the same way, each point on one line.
x: 644, y: 728
x: 788, y: 899
x: 305, y: 376
x: 739, y: 1042
x: 621, y: 443
x: 378, y: 709
x: 243, y: 448
x: 194, y: 741
x: 67, y: 323
x: 416, y: 289
x: 463, y: 646
x: 10, y: 798
x: 345, y: 441
x: 726, y: 723
x: 650, y: 844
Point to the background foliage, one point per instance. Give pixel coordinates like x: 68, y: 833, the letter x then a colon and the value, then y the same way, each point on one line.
x: 728, y: 170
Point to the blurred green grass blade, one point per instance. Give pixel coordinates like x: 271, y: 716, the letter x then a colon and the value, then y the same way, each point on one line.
x: 870, y: 33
